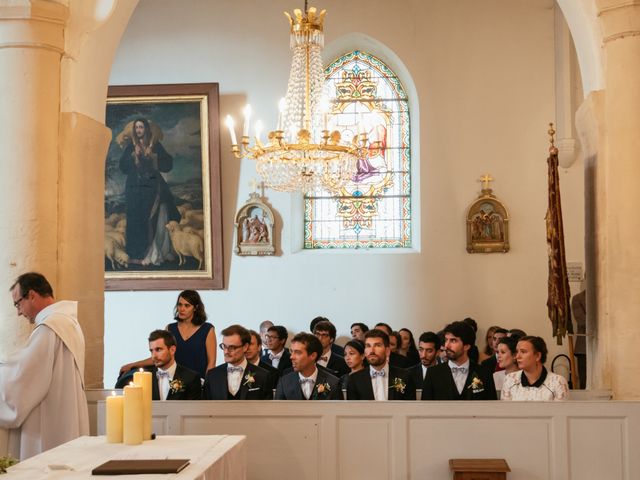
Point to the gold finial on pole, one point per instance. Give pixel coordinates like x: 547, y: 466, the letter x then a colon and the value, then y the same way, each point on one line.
x: 486, y: 180
x: 553, y: 150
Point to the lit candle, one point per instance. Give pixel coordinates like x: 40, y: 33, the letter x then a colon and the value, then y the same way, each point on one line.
x: 114, y: 418
x: 229, y: 122
x: 247, y: 119
x: 143, y: 379
x: 258, y: 129
x: 282, y: 105
x: 133, y: 430
x: 324, y: 108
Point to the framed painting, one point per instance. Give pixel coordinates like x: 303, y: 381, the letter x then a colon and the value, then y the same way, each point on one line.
x: 163, y: 219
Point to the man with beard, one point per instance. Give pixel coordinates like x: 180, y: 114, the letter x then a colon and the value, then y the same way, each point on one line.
x: 380, y: 381
x: 170, y: 380
x: 428, y: 348
x: 459, y: 378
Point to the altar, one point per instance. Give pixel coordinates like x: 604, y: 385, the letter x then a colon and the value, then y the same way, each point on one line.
x: 212, y: 457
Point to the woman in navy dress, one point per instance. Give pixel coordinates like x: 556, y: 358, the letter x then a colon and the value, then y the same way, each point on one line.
x: 195, y: 337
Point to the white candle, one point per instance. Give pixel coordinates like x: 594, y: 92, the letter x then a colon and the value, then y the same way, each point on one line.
x: 115, y: 407
x: 133, y: 430
x: 229, y: 122
x: 144, y: 379
x: 258, y: 129
x: 282, y: 105
x: 247, y: 119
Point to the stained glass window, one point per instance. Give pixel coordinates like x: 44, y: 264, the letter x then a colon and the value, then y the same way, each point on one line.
x: 374, y: 209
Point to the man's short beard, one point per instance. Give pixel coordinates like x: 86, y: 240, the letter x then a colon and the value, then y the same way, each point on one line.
x: 382, y: 362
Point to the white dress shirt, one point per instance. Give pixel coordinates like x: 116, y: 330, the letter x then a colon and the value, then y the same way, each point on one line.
x: 275, y: 358
x: 307, y: 387
x: 234, y: 379
x: 324, y: 359
x: 165, y: 380
x: 380, y: 383
x: 459, y: 377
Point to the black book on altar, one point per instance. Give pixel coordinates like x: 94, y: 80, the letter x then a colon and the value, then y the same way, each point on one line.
x: 135, y: 467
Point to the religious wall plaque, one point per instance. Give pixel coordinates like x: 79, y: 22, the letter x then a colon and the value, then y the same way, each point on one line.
x: 487, y: 222
x: 255, y: 224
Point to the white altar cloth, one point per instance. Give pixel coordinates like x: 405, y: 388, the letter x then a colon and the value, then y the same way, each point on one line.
x: 213, y: 457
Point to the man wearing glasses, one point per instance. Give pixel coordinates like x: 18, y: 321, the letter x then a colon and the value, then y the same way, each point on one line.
x: 237, y: 379
x: 42, y: 386
x: 278, y: 356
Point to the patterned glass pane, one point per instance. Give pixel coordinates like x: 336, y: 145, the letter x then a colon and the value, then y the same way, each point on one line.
x: 374, y: 209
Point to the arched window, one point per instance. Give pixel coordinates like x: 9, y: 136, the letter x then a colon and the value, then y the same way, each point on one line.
x: 374, y: 209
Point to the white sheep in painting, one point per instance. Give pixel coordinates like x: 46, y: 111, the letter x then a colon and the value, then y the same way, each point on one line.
x: 114, y: 253
x: 186, y: 244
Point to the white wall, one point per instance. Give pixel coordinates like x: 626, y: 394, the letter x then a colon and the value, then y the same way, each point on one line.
x: 484, y: 75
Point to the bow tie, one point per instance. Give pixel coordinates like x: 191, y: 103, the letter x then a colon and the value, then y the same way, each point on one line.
x: 272, y: 356
x: 306, y: 380
x: 324, y: 358
x: 377, y: 373
x: 162, y: 373
x: 459, y: 369
x: 232, y: 369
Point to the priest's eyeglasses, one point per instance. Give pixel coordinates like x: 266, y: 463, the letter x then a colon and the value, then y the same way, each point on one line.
x: 17, y: 303
x: 229, y: 348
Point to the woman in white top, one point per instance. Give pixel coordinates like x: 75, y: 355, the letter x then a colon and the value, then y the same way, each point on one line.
x: 532, y: 382
x: 506, y: 350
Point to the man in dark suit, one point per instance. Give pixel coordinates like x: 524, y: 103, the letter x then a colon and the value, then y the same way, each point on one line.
x: 459, y: 378
x: 428, y: 348
x: 491, y: 363
x: 325, y: 331
x: 337, y: 349
x: 264, y: 328
x: 380, y: 381
x: 170, y: 380
x: 278, y: 356
x: 358, y: 330
x: 237, y: 379
x: 395, y: 359
x: 307, y: 381
x: 253, y: 356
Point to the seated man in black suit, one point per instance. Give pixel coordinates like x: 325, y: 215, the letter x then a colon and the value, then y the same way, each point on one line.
x: 253, y: 356
x: 358, y: 330
x: 264, y: 328
x: 380, y: 381
x: 237, y: 379
x: 459, y: 378
x: 278, y: 356
x: 428, y: 348
x: 334, y: 363
x: 307, y: 382
x: 312, y: 328
x: 170, y: 380
x: 395, y: 359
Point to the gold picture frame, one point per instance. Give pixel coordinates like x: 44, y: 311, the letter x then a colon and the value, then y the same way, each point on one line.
x: 163, y: 217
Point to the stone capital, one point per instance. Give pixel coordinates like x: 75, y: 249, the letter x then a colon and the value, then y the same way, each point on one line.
x: 619, y: 19
x: 35, y: 24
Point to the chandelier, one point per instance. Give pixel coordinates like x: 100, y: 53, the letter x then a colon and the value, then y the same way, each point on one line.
x: 301, y: 154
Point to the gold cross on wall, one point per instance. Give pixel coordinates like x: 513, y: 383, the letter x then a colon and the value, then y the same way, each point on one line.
x: 486, y: 180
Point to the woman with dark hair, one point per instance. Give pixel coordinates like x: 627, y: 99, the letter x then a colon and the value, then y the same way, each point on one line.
x: 506, y: 360
x: 354, y: 358
x: 408, y: 346
x: 533, y: 382
x: 195, y: 337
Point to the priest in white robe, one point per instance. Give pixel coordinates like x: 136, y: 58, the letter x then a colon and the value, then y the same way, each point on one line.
x: 42, y: 398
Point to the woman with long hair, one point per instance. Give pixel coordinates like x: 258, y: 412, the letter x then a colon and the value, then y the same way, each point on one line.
x: 408, y: 346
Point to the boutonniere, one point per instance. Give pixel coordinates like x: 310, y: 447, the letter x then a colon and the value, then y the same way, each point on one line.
x: 398, y: 385
x: 249, y: 380
x: 176, y: 386
x: 323, y: 388
x: 476, y: 385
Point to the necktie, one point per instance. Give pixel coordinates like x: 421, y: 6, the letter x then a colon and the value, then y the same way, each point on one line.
x: 272, y: 356
x: 377, y: 373
x: 232, y: 369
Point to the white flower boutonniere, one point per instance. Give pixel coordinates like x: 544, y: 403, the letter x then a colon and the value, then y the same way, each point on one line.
x: 476, y: 385
x: 176, y: 386
x: 249, y: 380
x: 398, y: 385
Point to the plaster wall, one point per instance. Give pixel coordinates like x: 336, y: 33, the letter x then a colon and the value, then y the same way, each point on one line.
x: 484, y: 76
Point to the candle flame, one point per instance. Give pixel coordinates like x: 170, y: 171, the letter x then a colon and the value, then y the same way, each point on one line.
x: 113, y: 394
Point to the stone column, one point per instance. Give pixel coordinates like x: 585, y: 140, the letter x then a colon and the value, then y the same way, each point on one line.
x: 618, y: 229
x: 31, y: 47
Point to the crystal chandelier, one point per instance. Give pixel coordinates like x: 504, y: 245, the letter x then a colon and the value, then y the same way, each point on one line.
x: 301, y: 154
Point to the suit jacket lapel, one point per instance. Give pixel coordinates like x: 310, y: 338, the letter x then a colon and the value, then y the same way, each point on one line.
x: 243, y: 384
x: 367, y: 386
x: 452, y: 384
x: 155, y: 391
x: 222, y: 386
